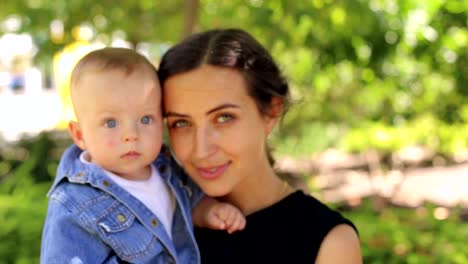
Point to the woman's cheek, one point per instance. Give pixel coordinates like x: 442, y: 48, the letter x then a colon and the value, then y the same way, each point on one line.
x: 181, y: 145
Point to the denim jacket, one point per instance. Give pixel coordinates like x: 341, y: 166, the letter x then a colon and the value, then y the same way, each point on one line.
x: 91, y: 219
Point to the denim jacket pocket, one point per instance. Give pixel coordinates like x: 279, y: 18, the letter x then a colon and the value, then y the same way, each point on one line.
x: 127, y: 236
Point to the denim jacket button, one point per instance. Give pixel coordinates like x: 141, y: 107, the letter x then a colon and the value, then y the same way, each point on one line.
x: 79, y: 174
x: 121, y: 218
x: 105, y: 183
x: 154, y: 222
x: 188, y: 190
x: 181, y: 183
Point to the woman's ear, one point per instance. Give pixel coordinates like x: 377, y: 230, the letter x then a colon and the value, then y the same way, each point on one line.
x: 276, y: 106
x: 274, y: 113
x: 75, y: 131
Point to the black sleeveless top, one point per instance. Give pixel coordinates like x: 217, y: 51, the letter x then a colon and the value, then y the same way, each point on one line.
x: 289, y: 231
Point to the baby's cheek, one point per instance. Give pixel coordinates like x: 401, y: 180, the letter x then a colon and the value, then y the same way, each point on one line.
x: 110, y: 144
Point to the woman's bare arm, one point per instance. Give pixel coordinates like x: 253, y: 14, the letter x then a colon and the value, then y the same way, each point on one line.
x: 341, y: 245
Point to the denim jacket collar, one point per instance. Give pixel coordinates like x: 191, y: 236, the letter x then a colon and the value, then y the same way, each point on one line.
x: 73, y: 170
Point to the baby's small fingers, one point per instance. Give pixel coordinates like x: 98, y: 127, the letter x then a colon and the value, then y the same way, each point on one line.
x: 215, y: 222
x: 242, y: 223
x: 221, y: 225
x: 227, y: 215
x: 238, y: 224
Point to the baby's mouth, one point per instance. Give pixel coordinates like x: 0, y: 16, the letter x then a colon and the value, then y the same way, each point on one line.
x: 130, y: 155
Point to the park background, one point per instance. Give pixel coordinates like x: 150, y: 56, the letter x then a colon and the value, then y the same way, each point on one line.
x: 378, y: 128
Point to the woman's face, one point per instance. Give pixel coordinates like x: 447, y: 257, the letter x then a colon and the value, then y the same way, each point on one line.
x: 216, y: 130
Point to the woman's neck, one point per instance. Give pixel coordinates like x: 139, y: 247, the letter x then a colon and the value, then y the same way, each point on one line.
x: 258, y: 191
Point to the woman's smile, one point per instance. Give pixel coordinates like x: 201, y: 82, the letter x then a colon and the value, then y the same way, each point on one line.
x: 213, y: 172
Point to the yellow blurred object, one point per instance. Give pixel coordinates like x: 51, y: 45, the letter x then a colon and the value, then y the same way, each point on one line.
x: 64, y: 62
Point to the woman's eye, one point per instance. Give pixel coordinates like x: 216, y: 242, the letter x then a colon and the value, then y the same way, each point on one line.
x: 179, y: 124
x: 146, y: 120
x: 224, y: 118
x: 111, y: 123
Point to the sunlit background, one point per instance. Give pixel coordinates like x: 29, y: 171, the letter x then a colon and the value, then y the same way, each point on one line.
x: 377, y: 128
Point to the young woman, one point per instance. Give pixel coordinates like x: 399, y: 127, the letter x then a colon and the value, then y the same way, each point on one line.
x: 223, y: 94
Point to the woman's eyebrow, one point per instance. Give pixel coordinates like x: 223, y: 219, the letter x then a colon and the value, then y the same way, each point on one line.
x: 220, y: 107
x: 174, y: 114
x: 223, y: 106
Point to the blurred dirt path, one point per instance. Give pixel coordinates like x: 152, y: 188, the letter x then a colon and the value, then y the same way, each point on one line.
x: 444, y: 186
x: 341, y: 177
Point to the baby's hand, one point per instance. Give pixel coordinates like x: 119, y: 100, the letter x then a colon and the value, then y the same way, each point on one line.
x: 226, y: 217
x: 213, y: 214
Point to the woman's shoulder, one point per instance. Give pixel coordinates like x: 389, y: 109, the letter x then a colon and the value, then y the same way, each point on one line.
x: 342, y: 238
x: 307, y: 205
x: 326, y: 229
x: 335, y: 232
x: 308, y: 213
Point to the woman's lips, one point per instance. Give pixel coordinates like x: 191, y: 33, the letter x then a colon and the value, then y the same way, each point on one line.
x: 212, y: 172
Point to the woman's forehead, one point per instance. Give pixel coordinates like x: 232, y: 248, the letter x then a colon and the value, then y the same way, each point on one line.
x: 200, y: 94
x: 206, y: 77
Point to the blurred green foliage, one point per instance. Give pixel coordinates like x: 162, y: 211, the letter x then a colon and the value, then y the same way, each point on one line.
x: 26, y: 173
x: 365, y: 75
x: 403, y: 235
x: 391, y: 235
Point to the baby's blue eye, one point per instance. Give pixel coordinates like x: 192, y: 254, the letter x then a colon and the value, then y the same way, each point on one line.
x: 110, y: 123
x: 146, y: 120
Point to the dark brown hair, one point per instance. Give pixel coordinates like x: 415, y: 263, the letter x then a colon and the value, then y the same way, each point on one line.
x: 231, y: 48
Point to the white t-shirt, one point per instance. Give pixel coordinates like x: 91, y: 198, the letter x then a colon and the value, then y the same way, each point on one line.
x: 153, y: 192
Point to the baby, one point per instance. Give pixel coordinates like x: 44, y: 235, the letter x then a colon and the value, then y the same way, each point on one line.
x: 119, y: 195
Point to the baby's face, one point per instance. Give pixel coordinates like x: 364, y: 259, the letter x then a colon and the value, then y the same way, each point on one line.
x: 120, y: 120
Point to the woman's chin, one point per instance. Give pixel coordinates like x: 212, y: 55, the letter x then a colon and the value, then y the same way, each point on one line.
x: 214, y: 192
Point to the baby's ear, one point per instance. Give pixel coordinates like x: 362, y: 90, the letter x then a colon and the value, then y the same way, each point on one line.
x: 75, y: 131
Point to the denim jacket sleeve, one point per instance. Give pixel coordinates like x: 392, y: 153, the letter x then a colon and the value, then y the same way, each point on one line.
x: 66, y: 239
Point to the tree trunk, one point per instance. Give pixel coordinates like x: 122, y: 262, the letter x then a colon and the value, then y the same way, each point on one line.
x: 191, y: 15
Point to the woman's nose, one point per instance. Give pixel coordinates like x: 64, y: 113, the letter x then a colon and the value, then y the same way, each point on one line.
x: 204, y: 143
